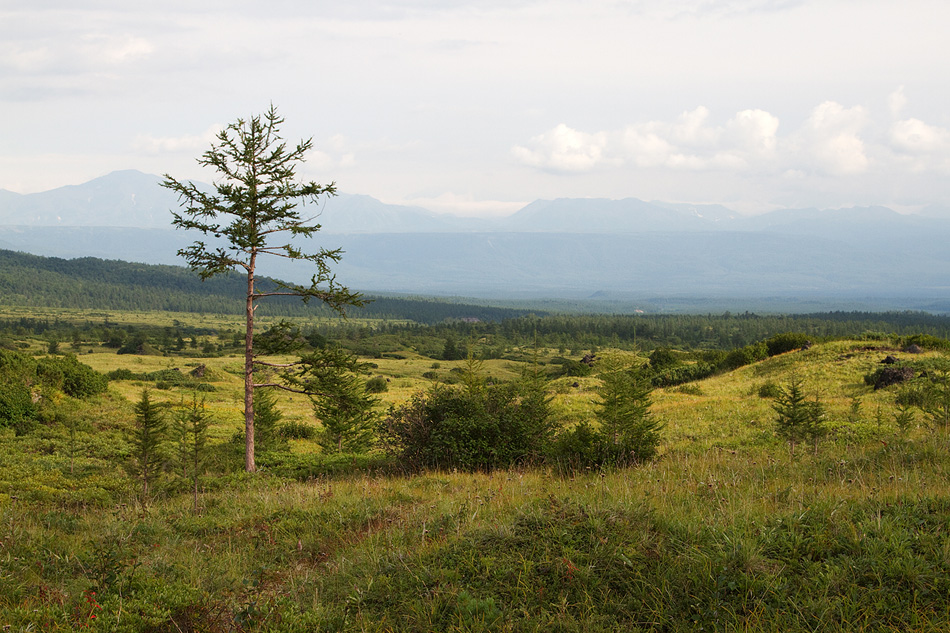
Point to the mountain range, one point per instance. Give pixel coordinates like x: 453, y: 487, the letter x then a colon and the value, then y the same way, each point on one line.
x: 566, y: 247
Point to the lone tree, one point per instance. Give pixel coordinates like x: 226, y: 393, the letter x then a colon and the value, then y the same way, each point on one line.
x: 798, y: 419
x: 255, y: 204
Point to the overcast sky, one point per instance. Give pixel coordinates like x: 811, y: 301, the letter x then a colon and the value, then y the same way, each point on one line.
x: 481, y: 106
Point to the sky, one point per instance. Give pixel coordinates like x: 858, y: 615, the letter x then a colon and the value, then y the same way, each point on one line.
x: 478, y: 107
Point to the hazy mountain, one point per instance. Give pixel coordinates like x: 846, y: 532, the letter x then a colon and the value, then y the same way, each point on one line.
x: 595, y: 215
x: 122, y: 198
x: 349, y: 213
x: 563, y: 247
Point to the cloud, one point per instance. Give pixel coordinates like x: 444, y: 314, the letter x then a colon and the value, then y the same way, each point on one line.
x: 754, y: 132
x: 565, y: 149
x: 687, y: 143
x: 896, y: 102
x: 830, y: 141
x: 167, y: 144
x: 913, y: 136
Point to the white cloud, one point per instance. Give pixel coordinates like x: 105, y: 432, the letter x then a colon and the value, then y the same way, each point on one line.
x: 189, y: 143
x: 108, y: 49
x: 754, y: 133
x: 691, y: 129
x: 565, y: 149
x: 834, y: 140
x: 829, y: 140
x: 687, y: 143
x: 913, y: 136
x: 896, y: 102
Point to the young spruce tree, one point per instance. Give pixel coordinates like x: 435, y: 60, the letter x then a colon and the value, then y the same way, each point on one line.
x: 630, y: 434
x: 191, y: 426
x: 254, y: 209
x: 798, y: 419
x: 148, y: 434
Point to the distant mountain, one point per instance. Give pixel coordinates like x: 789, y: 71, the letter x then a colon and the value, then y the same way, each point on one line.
x: 557, y: 248
x: 596, y: 215
x: 133, y: 199
x: 349, y: 213
x: 122, y: 198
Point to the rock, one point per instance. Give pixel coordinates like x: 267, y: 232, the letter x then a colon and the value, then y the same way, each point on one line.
x: 892, y: 376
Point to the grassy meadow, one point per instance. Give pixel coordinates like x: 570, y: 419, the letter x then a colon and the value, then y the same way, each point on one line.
x: 727, y: 529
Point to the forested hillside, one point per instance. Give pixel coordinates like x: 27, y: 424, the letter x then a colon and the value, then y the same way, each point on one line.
x: 88, y: 282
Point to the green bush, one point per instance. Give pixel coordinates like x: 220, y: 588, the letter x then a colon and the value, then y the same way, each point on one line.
x: 122, y: 374
x: 377, y: 384
x: 470, y: 429
x: 294, y: 430
x: 570, y: 367
x: 663, y: 358
x: 781, y: 343
x: 679, y: 374
x: 578, y: 447
x: 72, y: 377
x: 743, y: 356
x: 926, y: 341
x: 17, y: 409
x: 769, y: 390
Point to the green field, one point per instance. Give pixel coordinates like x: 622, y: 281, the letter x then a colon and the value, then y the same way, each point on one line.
x: 726, y: 529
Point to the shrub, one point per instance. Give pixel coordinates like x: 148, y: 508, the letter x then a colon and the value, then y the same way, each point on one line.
x: 377, y: 384
x: 781, y: 343
x: 679, y: 374
x: 662, y: 358
x: 570, y: 367
x: 578, y: 447
x: 122, y: 374
x: 471, y: 429
x: 295, y: 430
x: 743, y: 356
x: 926, y: 341
x: 690, y: 390
x: 266, y: 418
x: 74, y: 378
x: 17, y: 409
x: 769, y: 390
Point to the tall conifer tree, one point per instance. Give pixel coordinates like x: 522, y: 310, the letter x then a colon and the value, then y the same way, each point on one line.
x: 254, y: 208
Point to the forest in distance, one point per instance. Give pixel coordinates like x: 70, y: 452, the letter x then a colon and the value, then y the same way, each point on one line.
x: 515, y: 469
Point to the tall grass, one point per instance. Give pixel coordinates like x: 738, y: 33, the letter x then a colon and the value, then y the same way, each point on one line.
x: 726, y: 530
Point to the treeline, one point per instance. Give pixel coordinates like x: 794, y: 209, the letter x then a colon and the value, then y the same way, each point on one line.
x: 91, y: 283
x: 730, y: 335
x: 575, y: 334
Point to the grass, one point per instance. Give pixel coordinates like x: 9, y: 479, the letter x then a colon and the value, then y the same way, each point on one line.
x: 726, y: 530
x: 754, y: 540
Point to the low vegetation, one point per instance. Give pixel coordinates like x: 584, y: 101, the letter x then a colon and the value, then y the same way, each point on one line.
x: 520, y: 486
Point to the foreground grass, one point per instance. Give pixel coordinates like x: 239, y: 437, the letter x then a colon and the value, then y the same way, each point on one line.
x: 850, y: 539
x: 726, y: 530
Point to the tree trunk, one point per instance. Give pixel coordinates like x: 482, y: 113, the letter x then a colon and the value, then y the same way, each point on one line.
x: 249, y: 464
